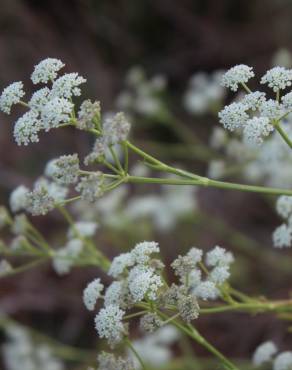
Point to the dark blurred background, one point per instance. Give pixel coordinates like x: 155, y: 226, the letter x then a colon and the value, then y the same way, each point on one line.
x: 102, y: 40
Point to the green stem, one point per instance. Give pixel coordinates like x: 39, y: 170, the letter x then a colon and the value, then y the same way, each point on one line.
x: 246, y: 88
x: 283, y: 134
x: 194, y: 334
x: 130, y: 345
x: 254, y: 307
x: 203, y: 181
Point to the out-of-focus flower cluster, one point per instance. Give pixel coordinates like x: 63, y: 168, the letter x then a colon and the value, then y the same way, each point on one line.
x: 266, y: 354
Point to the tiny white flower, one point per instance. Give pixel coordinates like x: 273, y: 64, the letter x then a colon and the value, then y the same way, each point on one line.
x: 287, y: 100
x: 67, y: 86
x: 18, y: 198
x: 219, y: 274
x: 277, y: 78
x: 39, y: 99
x: 254, y: 100
x: 120, y: 264
x: 92, y: 293
x: 233, y: 116
x: 113, y: 294
x: 91, y: 186
x: 195, y: 254
x: 55, y: 112
x: 27, y: 127
x: 64, y: 170
x: 237, y: 75
x: 255, y: 129
x: 143, y: 282
x: 65, y: 257
x: 283, y: 361
x: 264, y: 353
x: 84, y: 228
x: 218, y: 256
x: 284, y: 206
x: 11, y: 95
x: 109, y: 324
x: 206, y: 290
x: 271, y: 109
x: 142, y: 251
x: 282, y: 236
x: 116, y: 129
x: 46, y: 70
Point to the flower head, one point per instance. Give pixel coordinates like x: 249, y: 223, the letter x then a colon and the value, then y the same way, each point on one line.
x: 65, y: 257
x: 237, y: 75
x: 39, y: 99
x: 120, y: 263
x: 91, y: 186
x: 18, y: 198
x: 67, y: 86
x: 271, y: 109
x: 27, y: 127
x: 87, y: 113
x: 11, y: 95
x: 206, y: 290
x: 92, y: 293
x: 283, y: 361
x: 116, y: 129
x: 55, y: 112
x: 282, y: 236
x: 233, y: 116
x: 264, y: 353
x: 277, y: 78
x: 255, y: 129
x: 46, y: 70
x: 64, y: 170
x: 142, y: 251
x: 218, y: 256
x: 254, y: 100
x: 284, y: 206
x: 143, y: 282
x: 109, y: 325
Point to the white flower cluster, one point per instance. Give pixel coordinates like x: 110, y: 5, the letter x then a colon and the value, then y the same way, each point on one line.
x: 40, y: 200
x: 264, y: 353
x: 237, y: 75
x: 282, y: 236
x: 254, y: 115
x: 91, y: 186
x: 154, y: 348
x: 49, y: 106
x: 204, y: 93
x: 267, y: 164
x: 66, y: 257
x: 11, y: 95
x: 22, y: 352
x: 165, y: 210
x: 278, y: 78
x: 267, y: 353
x: 84, y: 229
x: 187, y: 269
x: 92, y: 293
x: 107, y: 361
x: 114, y: 131
x: 64, y: 170
x: 141, y: 95
x: 136, y: 280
